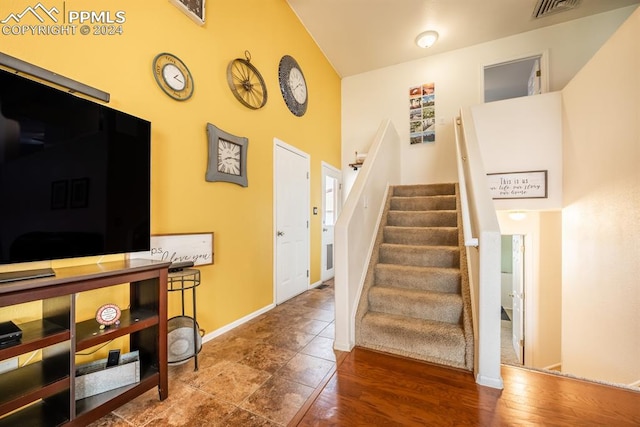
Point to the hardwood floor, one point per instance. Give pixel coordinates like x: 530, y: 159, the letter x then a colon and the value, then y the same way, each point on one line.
x: 280, y: 369
x: 375, y: 389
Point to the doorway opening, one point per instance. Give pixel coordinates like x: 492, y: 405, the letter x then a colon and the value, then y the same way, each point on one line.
x: 512, y: 300
x: 515, y: 78
x: 331, y: 204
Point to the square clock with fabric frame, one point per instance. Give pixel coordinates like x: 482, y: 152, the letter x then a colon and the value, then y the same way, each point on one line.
x: 227, y: 157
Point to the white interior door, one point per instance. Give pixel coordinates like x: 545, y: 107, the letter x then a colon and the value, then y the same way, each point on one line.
x: 534, y: 79
x: 518, y: 297
x: 291, y: 234
x: 331, y: 204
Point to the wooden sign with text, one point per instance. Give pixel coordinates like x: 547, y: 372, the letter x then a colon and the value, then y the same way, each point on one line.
x: 195, y: 247
x: 518, y: 185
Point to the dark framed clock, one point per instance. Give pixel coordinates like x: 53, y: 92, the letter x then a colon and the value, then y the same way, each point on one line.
x: 227, y: 157
x: 293, y: 85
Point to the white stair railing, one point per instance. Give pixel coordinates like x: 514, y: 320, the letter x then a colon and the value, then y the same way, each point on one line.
x: 356, y: 228
x: 483, y: 246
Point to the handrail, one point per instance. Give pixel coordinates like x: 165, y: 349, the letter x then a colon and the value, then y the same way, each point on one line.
x: 469, y: 240
x: 484, y: 256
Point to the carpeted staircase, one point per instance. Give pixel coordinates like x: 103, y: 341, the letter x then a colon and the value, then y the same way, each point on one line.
x: 415, y: 300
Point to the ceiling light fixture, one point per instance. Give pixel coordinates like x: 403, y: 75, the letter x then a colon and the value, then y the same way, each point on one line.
x: 426, y: 39
x: 517, y: 215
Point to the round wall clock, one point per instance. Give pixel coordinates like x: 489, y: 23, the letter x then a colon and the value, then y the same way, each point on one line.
x: 173, y: 76
x: 293, y: 86
x: 246, y: 83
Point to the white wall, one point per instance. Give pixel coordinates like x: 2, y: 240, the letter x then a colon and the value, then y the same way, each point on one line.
x: 371, y: 97
x: 601, y: 215
x: 519, y: 135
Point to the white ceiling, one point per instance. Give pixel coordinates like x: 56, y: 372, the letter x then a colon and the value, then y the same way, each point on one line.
x: 362, y: 35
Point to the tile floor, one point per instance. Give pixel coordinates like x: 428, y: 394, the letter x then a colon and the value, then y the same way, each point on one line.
x: 259, y: 374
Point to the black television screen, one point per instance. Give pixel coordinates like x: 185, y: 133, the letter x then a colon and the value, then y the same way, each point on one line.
x: 74, y: 175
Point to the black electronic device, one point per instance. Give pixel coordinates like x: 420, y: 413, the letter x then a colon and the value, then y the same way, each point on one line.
x: 114, y: 358
x: 74, y: 175
x: 9, y: 333
x: 38, y: 273
x: 179, y: 266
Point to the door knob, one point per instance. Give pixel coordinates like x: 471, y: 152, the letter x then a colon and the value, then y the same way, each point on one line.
x: 280, y: 233
x: 324, y: 229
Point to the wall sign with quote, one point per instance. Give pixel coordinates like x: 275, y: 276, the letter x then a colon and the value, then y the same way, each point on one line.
x: 518, y: 185
x: 422, y: 113
x: 195, y: 247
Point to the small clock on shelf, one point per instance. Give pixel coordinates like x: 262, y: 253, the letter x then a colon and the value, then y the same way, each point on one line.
x: 293, y: 86
x: 107, y: 315
x: 227, y: 157
x: 173, y: 76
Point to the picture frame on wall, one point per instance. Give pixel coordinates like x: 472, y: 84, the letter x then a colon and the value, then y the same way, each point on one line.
x: 518, y: 185
x: 194, y: 9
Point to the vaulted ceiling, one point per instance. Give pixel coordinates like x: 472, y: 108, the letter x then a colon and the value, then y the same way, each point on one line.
x: 362, y: 35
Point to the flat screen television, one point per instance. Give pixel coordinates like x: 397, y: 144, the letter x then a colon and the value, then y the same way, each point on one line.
x: 74, y: 175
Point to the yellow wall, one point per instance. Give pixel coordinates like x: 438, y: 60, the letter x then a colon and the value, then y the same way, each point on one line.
x: 241, y: 281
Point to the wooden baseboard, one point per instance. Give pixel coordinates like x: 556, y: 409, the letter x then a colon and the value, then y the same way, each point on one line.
x: 554, y: 367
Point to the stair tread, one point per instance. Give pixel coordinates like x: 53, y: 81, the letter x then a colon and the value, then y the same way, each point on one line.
x: 422, y: 339
x: 435, y: 279
x: 430, y: 227
x: 401, y: 246
x: 417, y: 293
x: 416, y: 303
x: 416, y: 189
x: 452, y: 270
x: 415, y: 324
x: 426, y: 211
x: 433, y: 196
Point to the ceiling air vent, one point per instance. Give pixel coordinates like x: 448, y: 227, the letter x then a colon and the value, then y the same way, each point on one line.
x: 547, y: 7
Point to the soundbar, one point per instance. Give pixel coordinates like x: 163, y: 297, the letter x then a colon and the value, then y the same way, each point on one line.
x: 26, y: 274
x: 179, y: 266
